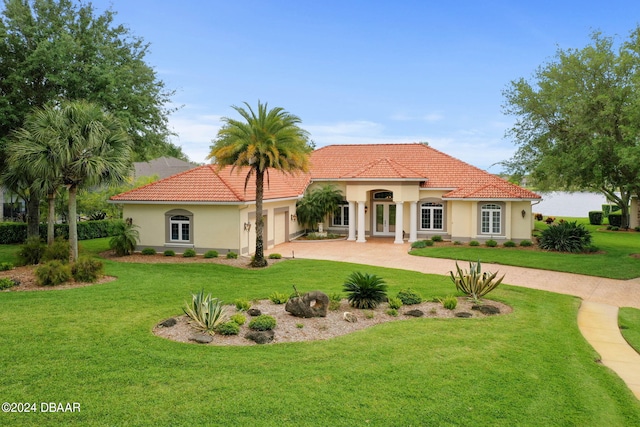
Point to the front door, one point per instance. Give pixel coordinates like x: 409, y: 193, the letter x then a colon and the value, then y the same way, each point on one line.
x: 385, y: 219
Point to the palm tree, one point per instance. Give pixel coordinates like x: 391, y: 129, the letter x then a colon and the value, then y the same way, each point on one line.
x: 265, y: 139
x: 314, y: 207
x: 75, y: 144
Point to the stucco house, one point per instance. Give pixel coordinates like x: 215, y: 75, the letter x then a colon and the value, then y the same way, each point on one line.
x: 406, y: 192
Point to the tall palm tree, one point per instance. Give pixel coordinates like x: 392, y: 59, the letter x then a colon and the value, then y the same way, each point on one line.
x: 265, y: 139
x: 75, y: 144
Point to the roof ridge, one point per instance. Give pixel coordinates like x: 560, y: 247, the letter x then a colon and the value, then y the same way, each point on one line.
x: 162, y: 179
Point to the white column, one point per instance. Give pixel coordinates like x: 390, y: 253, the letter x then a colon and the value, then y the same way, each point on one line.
x: 399, y: 222
x: 361, y: 238
x: 413, y: 219
x: 352, y: 221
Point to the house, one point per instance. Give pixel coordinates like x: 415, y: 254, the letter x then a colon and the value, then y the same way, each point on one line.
x: 403, y: 191
x: 161, y: 167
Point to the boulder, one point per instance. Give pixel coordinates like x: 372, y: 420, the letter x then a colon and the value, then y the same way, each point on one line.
x: 202, y: 338
x: 415, y: 313
x: 463, y: 314
x: 311, y: 304
x: 488, y: 310
x: 253, y: 312
x: 168, y: 323
x: 349, y: 317
x: 260, y: 337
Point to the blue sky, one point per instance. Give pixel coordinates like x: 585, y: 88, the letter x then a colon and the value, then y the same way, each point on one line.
x: 362, y: 71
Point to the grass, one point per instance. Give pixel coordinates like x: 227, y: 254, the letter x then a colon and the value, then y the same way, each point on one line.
x: 94, y: 345
x: 629, y: 321
x: 615, y: 262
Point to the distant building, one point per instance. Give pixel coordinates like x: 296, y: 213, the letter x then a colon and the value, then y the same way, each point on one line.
x: 162, y: 167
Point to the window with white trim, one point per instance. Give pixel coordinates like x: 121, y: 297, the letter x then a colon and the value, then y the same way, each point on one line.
x: 431, y: 216
x: 491, y: 219
x: 341, y: 215
x: 180, y: 228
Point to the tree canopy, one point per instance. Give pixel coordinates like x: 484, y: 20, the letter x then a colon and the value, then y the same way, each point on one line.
x: 265, y: 139
x: 578, y: 120
x: 55, y: 50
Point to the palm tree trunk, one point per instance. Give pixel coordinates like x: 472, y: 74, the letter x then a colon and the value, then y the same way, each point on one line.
x: 73, y: 224
x: 51, y: 200
x: 258, y: 258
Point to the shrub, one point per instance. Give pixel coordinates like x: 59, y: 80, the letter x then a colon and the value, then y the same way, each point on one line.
x: 6, y: 283
x: 275, y: 256
x: 264, y: 322
x: 369, y: 314
x: 596, y: 217
x: 509, y: 244
x: 549, y: 220
x: 31, y: 251
x: 409, y: 297
x: 419, y: 244
x: 474, y: 243
x: 211, y: 254
x: 450, y: 302
x: 148, y: 251
x: 565, y: 237
x: 637, y: 228
x: 334, y: 301
x: 228, y: 328
x: 474, y: 283
x: 614, y: 228
x: 395, y: 302
x: 232, y: 255
x: 53, y: 273
x: 491, y: 243
x: 365, y: 290
x: 87, y: 269
x: 592, y: 249
x: 526, y: 243
x: 392, y: 312
x: 169, y: 252
x: 124, y: 240
x: 606, y: 210
x: 437, y: 238
x: 189, y: 253
x: 457, y: 243
x: 538, y: 216
x: 242, y: 304
x: 206, y: 313
x: 59, y: 250
x: 6, y: 266
x: 428, y: 242
x: 615, y: 219
x: 278, y: 298
x: 240, y: 319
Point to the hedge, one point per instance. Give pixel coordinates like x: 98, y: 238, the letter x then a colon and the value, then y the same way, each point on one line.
x: 615, y: 220
x: 16, y: 232
x: 595, y: 217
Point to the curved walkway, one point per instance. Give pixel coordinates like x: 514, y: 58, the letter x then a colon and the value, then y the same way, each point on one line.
x: 597, y: 317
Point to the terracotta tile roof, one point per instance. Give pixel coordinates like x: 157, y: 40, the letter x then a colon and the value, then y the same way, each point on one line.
x: 207, y: 184
x: 412, y: 161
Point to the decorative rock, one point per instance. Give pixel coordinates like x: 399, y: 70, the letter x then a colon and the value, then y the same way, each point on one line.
x: 463, y: 314
x: 415, y: 313
x: 349, y: 317
x: 168, y: 323
x: 301, y: 306
x: 488, y: 310
x: 202, y: 338
x: 253, y: 312
x: 260, y: 337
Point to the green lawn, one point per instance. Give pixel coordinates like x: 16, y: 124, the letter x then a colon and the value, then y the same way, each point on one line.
x: 615, y: 262
x: 94, y: 345
x: 629, y: 321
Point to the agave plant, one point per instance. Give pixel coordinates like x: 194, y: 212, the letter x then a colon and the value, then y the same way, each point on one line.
x: 206, y: 313
x: 365, y: 290
x: 474, y: 283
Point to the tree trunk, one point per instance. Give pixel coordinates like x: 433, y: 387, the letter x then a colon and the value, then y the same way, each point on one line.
x: 622, y: 201
x: 258, y: 258
x: 73, y: 224
x: 33, y: 215
x: 51, y: 201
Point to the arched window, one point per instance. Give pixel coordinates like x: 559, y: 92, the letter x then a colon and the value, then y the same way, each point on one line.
x: 431, y: 216
x: 179, y: 226
x: 491, y: 219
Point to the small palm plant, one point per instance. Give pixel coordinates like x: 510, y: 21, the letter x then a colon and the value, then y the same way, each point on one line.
x: 365, y: 290
x: 125, y: 239
x: 474, y: 283
x: 206, y: 313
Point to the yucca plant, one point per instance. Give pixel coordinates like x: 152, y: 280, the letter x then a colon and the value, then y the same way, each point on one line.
x: 206, y: 313
x: 365, y: 290
x: 566, y: 237
x: 474, y: 283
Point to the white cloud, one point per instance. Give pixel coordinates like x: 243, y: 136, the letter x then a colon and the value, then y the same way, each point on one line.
x: 429, y: 117
x: 194, y: 134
